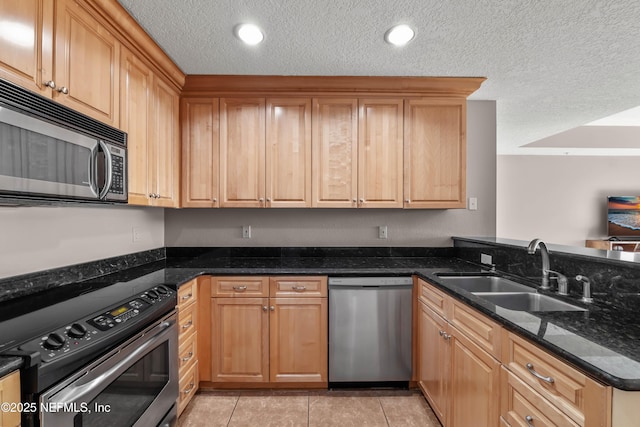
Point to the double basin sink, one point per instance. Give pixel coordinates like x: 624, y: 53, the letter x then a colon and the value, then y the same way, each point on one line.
x: 506, y: 293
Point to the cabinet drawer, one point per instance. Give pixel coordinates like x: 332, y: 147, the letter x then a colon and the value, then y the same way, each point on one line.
x: 299, y: 287
x: 187, y: 353
x: 584, y: 400
x: 478, y: 327
x: 240, y: 286
x: 523, y: 406
x: 188, y: 385
x: 433, y: 298
x: 187, y: 293
x: 187, y: 322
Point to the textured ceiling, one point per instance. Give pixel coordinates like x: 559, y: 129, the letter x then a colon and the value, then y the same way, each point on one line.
x: 551, y: 65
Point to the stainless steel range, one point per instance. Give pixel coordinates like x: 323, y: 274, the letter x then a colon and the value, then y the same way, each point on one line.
x: 104, y: 357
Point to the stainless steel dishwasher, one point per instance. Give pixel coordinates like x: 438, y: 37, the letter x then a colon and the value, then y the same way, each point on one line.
x: 369, y: 329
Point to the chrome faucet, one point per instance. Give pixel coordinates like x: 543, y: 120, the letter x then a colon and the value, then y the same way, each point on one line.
x: 586, y: 288
x: 533, y: 245
x: 563, y: 283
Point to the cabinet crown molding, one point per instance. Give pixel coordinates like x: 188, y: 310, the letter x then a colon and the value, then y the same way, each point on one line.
x: 450, y: 87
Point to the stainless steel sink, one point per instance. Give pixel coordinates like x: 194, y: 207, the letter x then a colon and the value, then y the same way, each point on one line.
x: 480, y: 283
x: 520, y: 301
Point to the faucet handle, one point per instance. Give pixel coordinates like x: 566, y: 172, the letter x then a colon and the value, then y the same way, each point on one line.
x: 561, y: 279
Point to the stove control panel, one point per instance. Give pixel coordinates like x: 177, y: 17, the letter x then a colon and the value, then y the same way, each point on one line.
x: 84, y: 332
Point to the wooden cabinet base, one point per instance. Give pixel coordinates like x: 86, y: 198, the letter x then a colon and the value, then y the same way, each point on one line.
x: 211, y: 386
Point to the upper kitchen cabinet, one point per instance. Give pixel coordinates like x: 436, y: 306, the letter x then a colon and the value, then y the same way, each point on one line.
x: 86, y: 63
x: 380, y: 141
x: 288, y: 154
x: 135, y: 119
x: 200, y: 152
x: 435, y: 153
x: 26, y: 44
x: 164, y: 152
x: 242, y: 152
x: 335, y: 153
x: 149, y: 115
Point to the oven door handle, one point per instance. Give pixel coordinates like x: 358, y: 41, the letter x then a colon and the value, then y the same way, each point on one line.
x: 85, y: 385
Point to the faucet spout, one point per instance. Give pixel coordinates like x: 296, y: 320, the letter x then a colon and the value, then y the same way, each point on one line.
x: 544, y: 252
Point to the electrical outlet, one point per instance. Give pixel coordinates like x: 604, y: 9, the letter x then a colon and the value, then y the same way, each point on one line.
x: 473, y: 203
x: 486, y: 259
x: 246, y: 231
x: 382, y: 232
x: 135, y: 234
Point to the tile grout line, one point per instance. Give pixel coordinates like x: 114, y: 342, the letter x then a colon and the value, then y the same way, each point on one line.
x: 234, y: 410
x: 383, y: 412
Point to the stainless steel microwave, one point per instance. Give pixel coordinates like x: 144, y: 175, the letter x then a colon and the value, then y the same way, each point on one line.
x: 51, y: 153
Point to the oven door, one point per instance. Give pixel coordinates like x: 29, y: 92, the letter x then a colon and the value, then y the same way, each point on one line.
x: 135, y: 384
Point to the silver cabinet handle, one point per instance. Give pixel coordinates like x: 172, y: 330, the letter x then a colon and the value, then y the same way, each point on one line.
x: 190, y: 389
x: 446, y: 336
x: 214, y: 199
x: 50, y: 84
x: 272, y: 308
x: 354, y: 201
x: 532, y: 371
x: 261, y: 199
x: 441, y: 333
x: 189, y: 357
x: 188, y: 324
x: 361, y: 200
x: 186, y: 297
x: 63, y: 90
x: 268, y: 199
x: 240, y: 288
x: 299, y: 288
x: 265, y: 308
x: 528, y: 420
x: 408, y: 201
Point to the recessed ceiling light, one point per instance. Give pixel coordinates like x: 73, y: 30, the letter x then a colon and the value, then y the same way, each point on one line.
x: 249, y: 33
x: 399, y: 35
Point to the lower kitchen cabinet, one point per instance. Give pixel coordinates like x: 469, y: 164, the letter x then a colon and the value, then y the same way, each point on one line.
x: 433, y: 364
x: 473, y: 372
x: 277, y: 339
x: 460, y: 379
x: 10, y: 393
x: 187, y: 343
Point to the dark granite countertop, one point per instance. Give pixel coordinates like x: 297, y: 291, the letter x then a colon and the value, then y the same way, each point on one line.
x: 603, y: 341
x: 9, y: 364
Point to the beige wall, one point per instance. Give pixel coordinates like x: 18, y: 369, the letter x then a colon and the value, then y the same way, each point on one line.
x: 39, y: 238
x: 356, y: 227
x: 560, y: 199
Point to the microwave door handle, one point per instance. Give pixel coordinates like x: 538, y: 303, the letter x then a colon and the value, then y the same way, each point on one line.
x: 93, y: 186
x: 108, y: 169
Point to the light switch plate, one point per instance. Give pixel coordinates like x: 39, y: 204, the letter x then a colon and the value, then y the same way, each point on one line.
x: 382, y: 232
x: 486, y: 259
x: 246, y: 231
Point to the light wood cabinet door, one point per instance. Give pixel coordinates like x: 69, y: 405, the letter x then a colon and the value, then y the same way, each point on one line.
x: 26, y: 44
x: 435, y: 154
x: 288, y: 153
x: 380, y: 139
x: 242, y: 152
x: 136, y: 119
x: 240, y: 339
x: 335, y: 153
x: 86, y: 64
x: 200, y: 152
x: 433, y: 365
x: 298, y: 340
x: 10, y: 393
x: 474, y: 384
x: 164, y: 150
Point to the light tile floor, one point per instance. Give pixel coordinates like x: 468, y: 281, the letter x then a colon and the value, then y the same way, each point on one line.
x: 394, y: 408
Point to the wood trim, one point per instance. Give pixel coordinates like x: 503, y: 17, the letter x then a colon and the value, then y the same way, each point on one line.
x: 455, y: 87
x: 212, y: 386
x: 204, y: 327
x: 477, y: 327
